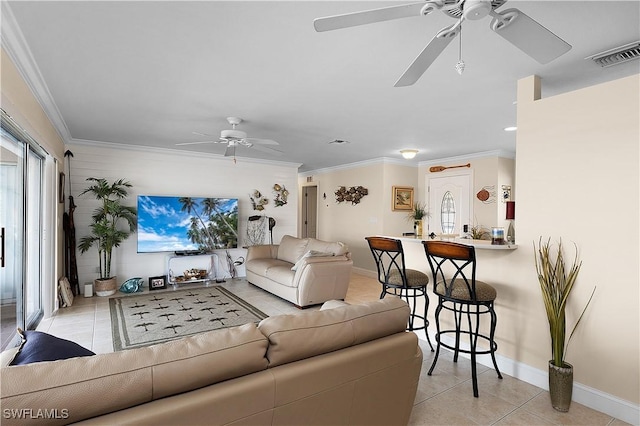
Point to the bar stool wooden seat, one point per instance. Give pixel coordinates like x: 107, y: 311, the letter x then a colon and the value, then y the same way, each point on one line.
x: 396, y: 279
x: 453, y: 269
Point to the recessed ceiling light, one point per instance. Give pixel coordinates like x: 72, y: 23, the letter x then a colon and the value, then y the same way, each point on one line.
x: 338, y: 142
x: 510, y: 129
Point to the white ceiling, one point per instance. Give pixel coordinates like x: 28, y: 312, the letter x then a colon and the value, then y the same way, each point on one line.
x: 151, y: 73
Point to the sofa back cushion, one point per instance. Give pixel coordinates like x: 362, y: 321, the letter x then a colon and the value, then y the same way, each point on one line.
x: 299, y: 336
x: 291, y: 248
x: 200, y: 360
x: 91, y: 386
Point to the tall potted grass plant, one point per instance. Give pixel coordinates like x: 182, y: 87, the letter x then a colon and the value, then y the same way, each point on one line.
x: 106, y: 228
x: 556, y: 284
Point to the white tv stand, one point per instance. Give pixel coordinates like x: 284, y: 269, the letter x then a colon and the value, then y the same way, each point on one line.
x: 177, y: 265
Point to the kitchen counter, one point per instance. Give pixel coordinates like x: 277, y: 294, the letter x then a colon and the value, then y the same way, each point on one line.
x: 478, y: 244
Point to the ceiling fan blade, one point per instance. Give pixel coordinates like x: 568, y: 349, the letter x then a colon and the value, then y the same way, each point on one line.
x: 266, y: 149
x: 428, y: 55
x: 255, y: 141
x: 195, y: 143
x: 367, y: 17
x: 204, y: 134
x: 528, y: 35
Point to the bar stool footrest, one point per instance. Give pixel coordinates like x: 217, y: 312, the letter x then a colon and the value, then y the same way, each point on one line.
x: 493, y: 346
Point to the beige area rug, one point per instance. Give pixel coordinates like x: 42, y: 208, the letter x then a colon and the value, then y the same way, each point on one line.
x: 147, y: 319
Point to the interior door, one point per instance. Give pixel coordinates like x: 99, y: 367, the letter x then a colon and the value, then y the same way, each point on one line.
x: 449, y: 202
x: 309, y: 211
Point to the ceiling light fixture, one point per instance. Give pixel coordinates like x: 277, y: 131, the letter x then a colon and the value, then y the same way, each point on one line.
x: 510, y: 129
x: 408, y: 153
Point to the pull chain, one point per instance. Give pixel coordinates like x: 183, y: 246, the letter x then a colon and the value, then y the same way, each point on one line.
x: 460, y: 63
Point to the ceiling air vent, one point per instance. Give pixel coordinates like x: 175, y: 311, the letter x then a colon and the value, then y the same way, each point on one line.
x: 618, y: 55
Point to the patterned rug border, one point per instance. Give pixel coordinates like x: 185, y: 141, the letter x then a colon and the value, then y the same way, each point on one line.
x: 119, y: 326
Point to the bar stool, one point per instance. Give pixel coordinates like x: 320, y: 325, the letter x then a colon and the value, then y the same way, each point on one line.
x: 461, y: 294
x: 400, y: 281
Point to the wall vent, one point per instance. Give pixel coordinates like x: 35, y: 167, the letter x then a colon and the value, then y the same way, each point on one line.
x: 618, y: 55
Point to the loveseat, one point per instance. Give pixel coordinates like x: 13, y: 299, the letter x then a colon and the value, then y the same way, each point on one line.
x: 344, y: 364
x: 304, y: 271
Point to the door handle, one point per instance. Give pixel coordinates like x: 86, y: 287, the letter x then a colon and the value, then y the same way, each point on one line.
x: 2, y: 249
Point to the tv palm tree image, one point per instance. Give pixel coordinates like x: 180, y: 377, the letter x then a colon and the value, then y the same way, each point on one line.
x: 186, y: 224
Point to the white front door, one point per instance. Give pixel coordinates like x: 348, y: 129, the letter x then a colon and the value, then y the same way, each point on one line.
x: 449, y: 202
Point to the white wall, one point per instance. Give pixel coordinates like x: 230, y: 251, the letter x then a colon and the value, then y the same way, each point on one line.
x: 577, y: 176
x: 489, y: 170
x: 175, y: 173
x: 20, y: 103
x: 372, y: 216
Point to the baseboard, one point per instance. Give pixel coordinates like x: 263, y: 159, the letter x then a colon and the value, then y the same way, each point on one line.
x: 365, y: 272
x: 585, y: 395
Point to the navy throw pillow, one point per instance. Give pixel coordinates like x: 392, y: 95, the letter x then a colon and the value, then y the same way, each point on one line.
x: 38, y: 346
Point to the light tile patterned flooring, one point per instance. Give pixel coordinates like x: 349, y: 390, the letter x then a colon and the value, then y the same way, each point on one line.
x: 445, y: 398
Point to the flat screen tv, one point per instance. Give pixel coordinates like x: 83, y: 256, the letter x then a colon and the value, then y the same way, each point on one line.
x: 186, y: 224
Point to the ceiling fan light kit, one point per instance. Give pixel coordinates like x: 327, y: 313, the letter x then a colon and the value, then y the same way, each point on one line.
x: 512, y: 24
x: 233, y: 134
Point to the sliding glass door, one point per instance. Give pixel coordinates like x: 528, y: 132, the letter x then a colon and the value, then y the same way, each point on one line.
x: 33, y: 278
x: 21, y: 177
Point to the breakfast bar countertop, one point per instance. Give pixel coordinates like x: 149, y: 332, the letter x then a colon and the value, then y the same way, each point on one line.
x: 478, y: 244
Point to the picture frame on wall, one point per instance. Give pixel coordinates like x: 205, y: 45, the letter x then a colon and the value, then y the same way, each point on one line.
x: 157, y: 283
x: 402, y: 198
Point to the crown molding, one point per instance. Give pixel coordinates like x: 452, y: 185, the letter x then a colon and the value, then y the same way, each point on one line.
x: 182, y: 153
x: 495, y: 153
x: 357, y: 164
x: 14, y: 43
x: 403, y: 162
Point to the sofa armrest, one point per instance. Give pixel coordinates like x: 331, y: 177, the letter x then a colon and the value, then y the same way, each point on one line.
x: 319, y: 279
x: 264, y: 251
x: 312, y: 270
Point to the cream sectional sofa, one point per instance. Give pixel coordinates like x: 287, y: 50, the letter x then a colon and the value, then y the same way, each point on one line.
x: 304, y: 271
x: 345, y: 365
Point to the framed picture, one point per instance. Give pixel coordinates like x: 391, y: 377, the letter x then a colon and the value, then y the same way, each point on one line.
x: 157, y: 283
x: 61, y: 188
x: 402, y: 198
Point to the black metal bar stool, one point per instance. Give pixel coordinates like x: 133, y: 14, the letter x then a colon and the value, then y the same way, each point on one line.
x: 463, y: 295
x: 405, y: 283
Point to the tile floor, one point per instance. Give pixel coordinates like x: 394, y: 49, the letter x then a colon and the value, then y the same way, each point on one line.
x: 444, y: 398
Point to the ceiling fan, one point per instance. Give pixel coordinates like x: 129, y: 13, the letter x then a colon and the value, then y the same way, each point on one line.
x: 517, y: 28
x: 234, y: 137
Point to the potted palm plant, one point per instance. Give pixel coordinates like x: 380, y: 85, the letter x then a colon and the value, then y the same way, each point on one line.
x: 106, y: 234
x: 556, y: 284
x: 417, y: 215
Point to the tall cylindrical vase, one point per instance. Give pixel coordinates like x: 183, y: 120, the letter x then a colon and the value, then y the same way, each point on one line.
x: 560, y: 386
x: 417, y: 226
